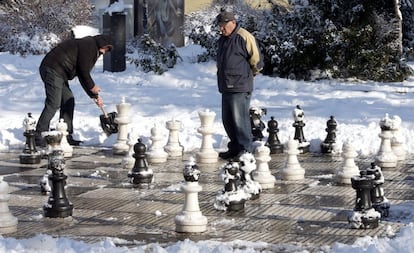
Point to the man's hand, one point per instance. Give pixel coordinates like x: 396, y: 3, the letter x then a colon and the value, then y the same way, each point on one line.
x: 96, y: 89
x: 98, y: 101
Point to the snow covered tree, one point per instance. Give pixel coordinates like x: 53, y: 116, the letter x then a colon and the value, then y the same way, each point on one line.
x: 33, y: 27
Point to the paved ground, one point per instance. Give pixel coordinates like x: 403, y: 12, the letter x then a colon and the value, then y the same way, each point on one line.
x: 311, y: 211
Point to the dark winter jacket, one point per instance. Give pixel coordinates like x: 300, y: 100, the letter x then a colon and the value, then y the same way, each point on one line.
x: 238, y: 61
x: 76, y: 57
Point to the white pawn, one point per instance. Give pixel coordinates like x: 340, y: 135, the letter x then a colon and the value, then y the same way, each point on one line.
x: 123, y: 119
x: 349, y: 169
x: 207, y: 154
x: 293, y: 170
x: 173, y: 147
x: 8, y: 223
x: 262, y: 173
x: 65, y: 146
x: 397, y: 142
x: 156, y: 152
x: 128, y: 160
x: 190, y: 219
x: 386, y: 157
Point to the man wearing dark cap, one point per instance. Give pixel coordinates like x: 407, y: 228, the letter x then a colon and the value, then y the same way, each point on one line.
x: 238, y: 61
x: 70, y: 58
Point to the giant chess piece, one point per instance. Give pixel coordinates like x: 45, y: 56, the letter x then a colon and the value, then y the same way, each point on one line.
x: 397, y: 140
x: 30, y: 155
x: 173, y: 147
x: 364, y: 215
x: 293, y: 170
x: 53, y: 139
x: 123, y: 119
x: 379, y: 202
x: 156, y: 153
x: 386, y: 158
x: 273, y: 141
x: 257, y: 124
x: 8, y: 223
x: 328, y: 145
x: 349, y: 169
x: 262, y: 173
x: 232, y: 198
x: 58, y: 206
x: 207, y: 154
x: 298, y: 116
x: 248, y: 184
x: 190, y: 219
x: 128, y: 160
x: 140, y: 173
x: 66, y: 147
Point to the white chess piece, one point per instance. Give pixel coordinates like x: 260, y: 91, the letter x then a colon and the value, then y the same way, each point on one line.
x: 397, y: 141
x: 293, y: 170
x: 349, y: 168
x: 8, y: 223
x: 66, y: 147
x: 123, y: 119
x: 190, y: 219
x: 128, y: 160
x: 262, y: 173
x: 207, y: 154
x: 386, y: 157
x: 173, y: 147
x: 156, y: 152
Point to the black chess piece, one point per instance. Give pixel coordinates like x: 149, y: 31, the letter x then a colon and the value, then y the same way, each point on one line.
x: 379, y: 202
x: 140, y: 173
x: 231, y: 187
x: 58, y: 205
x: 328, y: 145
x: 30, y: 155
x: 298, y: 116
x: 256, y: 123
x: 364, y: 215
x: 273, y: 141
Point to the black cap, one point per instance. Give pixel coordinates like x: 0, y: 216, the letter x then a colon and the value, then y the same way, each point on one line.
x: 224, y: 17
x: 104, y: 41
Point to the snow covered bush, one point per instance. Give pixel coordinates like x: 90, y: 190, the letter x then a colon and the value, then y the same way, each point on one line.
x: 150, y: 55
x: 407, y: 10
x: 313, y: 39
x: 26, y: 24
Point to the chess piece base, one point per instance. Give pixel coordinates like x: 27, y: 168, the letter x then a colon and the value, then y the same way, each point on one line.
x: 190, y: 222
x: 30, y: 158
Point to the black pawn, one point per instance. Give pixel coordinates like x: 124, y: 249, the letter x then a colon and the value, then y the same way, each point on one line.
x: 231, y: 187
x: 273, y: 141
x: 256, y: 123
x: 379, y: 202
x: 30, y: 154
x: 328, y: 144
x: 298, y: 125
x: 58, y: 206
x: 140, y: 174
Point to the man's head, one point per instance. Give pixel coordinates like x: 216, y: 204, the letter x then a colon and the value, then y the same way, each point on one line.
x: 226, y: 22
x: 104, y: 43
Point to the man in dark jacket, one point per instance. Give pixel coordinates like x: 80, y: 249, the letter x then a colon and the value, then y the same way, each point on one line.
x: 238, y: 61
x: 70, y: 58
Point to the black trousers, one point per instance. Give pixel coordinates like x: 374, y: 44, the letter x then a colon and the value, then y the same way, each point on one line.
x: 58, y: 96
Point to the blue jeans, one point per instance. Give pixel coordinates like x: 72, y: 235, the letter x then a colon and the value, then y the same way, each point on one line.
x: 58, y: 96
x: 236, y: 120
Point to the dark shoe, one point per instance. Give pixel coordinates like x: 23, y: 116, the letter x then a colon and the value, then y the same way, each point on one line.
x: 71, y: 141
x: 228, y: 154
